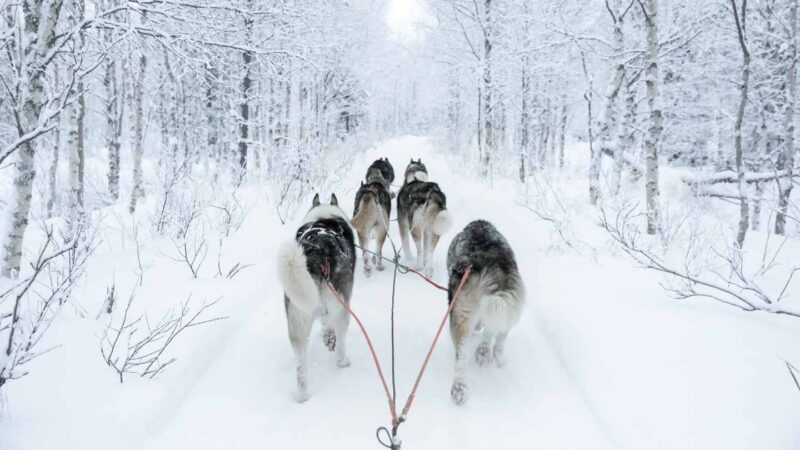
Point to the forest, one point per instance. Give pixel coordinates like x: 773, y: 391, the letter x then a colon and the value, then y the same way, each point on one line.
x: 639, y: 155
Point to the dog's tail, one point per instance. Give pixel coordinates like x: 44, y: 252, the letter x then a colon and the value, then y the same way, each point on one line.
x: 366, y: 211
x: 502, y: 310
x: 442, y: 222
x: 297, y: 282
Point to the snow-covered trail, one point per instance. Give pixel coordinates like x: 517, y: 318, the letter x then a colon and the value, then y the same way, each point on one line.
x: 602, y: 358
x: 244, y: 399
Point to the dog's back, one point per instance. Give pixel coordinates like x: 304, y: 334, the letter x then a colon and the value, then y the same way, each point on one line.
x: 328, y: 245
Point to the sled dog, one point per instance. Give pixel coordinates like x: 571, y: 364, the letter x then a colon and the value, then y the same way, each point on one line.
x: 371, y: 217
x: 491, y: 301
x: 384, y: 167
x: 322, y: 250
x: 422, y: 212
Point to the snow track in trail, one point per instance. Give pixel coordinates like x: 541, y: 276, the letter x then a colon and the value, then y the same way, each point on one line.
x: 244, y: 400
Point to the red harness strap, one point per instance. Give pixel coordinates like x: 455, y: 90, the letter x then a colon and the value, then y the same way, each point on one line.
x: 392, y: 407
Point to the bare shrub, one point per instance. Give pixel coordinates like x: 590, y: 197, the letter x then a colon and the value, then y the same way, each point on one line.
x: 701, y: 270
x: 138, y: 346
x: 30, y: 304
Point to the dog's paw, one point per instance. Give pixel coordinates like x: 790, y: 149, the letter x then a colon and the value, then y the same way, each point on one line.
x: 459, y: 392
x: 483, y: 355
x: 343, y: 362
x: 428, y: 271
x: 301, y: 395
x: 367, y: 272
x: 329, y: 339
x: 499, y: 361
x: 380, y: 265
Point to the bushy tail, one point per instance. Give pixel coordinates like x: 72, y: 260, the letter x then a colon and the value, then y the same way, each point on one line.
x: 502, y: 310
x: 442, y: 223
x: 366, y: 209
x: 293, y: 274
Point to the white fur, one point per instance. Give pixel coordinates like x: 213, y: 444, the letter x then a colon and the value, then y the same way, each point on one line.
x: 325, y: 212
x: 442, y: 223
x: 293, y: 274
x: 501, y: 311
x: 419, y: 175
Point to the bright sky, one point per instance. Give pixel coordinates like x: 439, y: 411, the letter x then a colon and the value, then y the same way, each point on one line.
x: 404, y: 18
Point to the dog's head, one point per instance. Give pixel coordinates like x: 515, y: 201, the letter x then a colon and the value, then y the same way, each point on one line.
x: 324, y: 211
x: 416, y: 171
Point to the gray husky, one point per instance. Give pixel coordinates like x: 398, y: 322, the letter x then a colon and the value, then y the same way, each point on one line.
x: 371, y: 216
x: 422, y: 211
x: 322, y: 250
x: 491, y: 301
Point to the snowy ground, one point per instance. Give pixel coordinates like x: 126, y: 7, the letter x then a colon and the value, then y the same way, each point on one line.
x: 602, y: 358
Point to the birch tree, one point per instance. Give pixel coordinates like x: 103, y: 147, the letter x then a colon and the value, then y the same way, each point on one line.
x: 744, y: 207
x: 653, y: 140
x: 786, y: 160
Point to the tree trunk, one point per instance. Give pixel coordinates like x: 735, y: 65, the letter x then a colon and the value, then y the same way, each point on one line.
x: 39, y: 30
x: 744, y: 209
x: 653, y: 139
x: 113, y: 126
x: 786, y: 162
x: 595, y: 154
x: 611, y: 120
x: 138, y: 132
x: 75, y: 146
x: 563, y: 133
x: 488, y: 126
x: 524, y: 122
x: 52, y: 199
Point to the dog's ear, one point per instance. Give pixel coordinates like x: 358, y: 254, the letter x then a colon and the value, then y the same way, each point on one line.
x: 412, y: 161
x: 362, y: 183
x: 419, y: 161
x: 334, y: 200
x: 315, y: 202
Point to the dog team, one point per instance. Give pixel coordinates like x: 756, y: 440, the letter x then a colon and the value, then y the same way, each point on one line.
x: 323, y: 250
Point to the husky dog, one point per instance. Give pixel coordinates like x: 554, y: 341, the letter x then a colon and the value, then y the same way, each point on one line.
x: 491, y: 301
x: 322, y: 250
x: 384, y: 167
x: 371, y: 217
x: 415, y: 171
x: 421, y: 210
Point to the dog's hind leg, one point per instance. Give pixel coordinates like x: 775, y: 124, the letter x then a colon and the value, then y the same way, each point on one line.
x: 500, y: 349
x: 380, y: 238
x: 431, y: 240
x: 417, y: 235
x: 460, y: 331
x: 402, y: 223
x: 340, y: 324
x: 483, y: 354
x: 363, y: 241
x: 299, y: 330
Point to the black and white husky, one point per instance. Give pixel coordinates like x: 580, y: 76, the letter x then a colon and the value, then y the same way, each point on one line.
x: 422, y: 211
x: 491, y: 301
x: 323, y: 249
x: 371, y: 217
